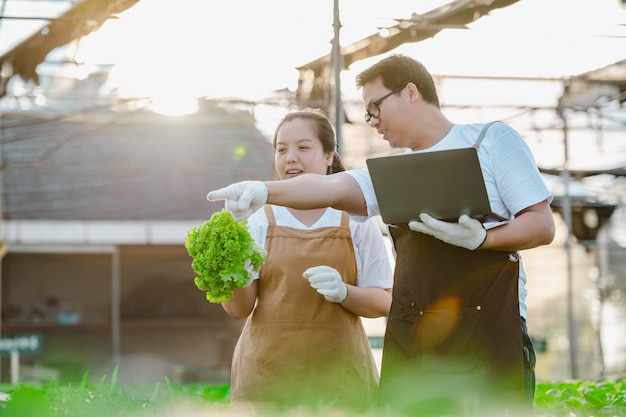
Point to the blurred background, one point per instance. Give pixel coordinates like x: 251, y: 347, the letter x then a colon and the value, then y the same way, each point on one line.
x: 118, y: 116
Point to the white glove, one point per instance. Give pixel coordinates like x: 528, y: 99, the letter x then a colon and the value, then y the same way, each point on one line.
x: 242, y: 198
x: 328, y: 282
x: 250, y: 269
x: 468, y: 233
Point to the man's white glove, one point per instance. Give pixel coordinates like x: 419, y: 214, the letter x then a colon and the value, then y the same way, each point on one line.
x: 468, y: 233
x: 242, y: 198
x: 327, y: 281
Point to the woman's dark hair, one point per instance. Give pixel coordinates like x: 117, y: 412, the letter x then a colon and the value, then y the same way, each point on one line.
x: 323, y: 130
x: 398, y: 70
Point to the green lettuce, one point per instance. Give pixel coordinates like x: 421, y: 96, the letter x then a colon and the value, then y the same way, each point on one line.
x: 221, y: 247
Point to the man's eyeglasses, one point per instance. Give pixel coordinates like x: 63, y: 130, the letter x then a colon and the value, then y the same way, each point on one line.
x: 375, y: 105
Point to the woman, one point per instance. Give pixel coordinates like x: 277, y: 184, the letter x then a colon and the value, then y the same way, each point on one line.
x: 303, y: 342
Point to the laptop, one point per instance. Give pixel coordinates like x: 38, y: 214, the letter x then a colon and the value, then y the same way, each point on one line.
x: 445, y: 184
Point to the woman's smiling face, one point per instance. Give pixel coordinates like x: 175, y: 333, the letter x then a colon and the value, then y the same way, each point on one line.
x: 298, y: 150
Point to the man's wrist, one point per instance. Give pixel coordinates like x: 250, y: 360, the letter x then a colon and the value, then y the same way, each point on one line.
x: 483, y: 242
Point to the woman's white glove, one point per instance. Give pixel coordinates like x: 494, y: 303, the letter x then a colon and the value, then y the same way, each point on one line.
x: 242, y: 198
x: 250, y: 270
x: 468, y: 233
x: 327, y: 281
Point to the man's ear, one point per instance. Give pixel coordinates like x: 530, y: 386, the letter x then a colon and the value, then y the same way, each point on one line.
x: 414, y: 92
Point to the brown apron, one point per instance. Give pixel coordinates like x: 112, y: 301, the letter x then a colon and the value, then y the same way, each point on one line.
x: 453, y: 343
x: 296, y: 348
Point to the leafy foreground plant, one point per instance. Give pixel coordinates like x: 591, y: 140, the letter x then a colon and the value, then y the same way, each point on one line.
x: 559, y: 399
x: 107, y: 399
x: 581, y: 399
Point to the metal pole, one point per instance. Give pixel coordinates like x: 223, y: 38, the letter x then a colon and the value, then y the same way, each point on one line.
x: 567, y: 217
x: 337, y: 64
x: 115, y: 306
x: 15, y: 366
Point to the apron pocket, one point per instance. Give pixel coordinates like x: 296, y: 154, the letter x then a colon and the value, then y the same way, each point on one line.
x: 445, y: 339
x: 401, y: 328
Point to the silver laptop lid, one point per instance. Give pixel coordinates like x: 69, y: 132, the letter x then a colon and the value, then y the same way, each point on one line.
x: 444, y: 184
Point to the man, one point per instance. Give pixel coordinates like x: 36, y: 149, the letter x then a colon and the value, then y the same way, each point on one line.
x: 456, y: 336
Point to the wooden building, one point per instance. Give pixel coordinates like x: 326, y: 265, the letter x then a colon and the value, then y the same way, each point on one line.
x: 96, y: 208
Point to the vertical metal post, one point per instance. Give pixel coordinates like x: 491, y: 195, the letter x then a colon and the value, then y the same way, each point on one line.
x: 337, y: 64
x: 567, y: 217
x: 3, y: 246
x: 115, y: 305
x: 15, y: 366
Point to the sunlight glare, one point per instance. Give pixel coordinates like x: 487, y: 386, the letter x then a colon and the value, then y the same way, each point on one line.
x: 244, y: 49
x: 175, y: 55
x: 153, y: 62
x: 174, y: 103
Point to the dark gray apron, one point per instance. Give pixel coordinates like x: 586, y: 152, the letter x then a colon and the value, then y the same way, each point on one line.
x: 453, y: 344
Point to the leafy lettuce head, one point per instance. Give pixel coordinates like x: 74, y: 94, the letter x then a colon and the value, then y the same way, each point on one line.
x: 221, y: 248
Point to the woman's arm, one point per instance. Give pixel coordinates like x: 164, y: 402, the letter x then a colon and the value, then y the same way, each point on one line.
x: 368, y: 302
x: 241, y: 304
x: 373, y: 298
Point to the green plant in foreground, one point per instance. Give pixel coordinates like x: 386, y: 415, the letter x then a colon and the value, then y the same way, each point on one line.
x: 579, y: 398
x: 576, y: 398
x: 221, y: 249
x: 107, y: 399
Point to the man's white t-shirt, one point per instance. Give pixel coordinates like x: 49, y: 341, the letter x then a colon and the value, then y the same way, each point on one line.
x: 511, y: 176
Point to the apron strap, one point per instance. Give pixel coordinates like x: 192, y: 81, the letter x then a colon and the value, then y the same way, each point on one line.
x: 482, y: 134
x: 345, y: 219
x: 270, y: 215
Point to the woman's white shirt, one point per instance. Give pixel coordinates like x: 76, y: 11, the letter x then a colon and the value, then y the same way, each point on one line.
x: 373, y: 263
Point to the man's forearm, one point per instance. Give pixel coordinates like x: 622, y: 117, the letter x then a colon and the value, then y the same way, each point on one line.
x: 303, y: 192
x: 311, y: 191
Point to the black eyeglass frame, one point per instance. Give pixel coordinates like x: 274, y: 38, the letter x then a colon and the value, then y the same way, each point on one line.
x: 376, y: 103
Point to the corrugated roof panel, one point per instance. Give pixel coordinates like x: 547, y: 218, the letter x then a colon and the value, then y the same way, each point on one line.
x: 148, y: 167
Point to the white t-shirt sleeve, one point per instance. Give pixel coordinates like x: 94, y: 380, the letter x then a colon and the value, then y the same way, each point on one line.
x: 511, y: 175
x: 362, y: 177
x: 372, y: 258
